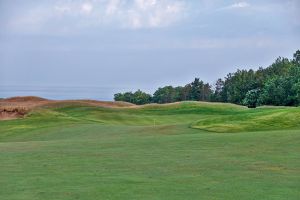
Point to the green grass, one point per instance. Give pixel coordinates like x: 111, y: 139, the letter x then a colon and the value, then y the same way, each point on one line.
x: 179, y: 151
x: 260, y: 119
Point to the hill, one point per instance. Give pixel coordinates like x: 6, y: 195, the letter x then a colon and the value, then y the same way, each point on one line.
x: 87, y: 149
x: 214, y: 117
x: 17, y: 107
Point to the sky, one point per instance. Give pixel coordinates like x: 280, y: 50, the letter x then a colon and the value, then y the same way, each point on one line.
x: 140, y: 44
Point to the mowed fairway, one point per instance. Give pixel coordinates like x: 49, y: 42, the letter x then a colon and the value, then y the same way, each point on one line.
x: 180, y: 151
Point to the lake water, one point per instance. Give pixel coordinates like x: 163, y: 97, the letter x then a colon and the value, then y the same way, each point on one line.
x: 58, y: 92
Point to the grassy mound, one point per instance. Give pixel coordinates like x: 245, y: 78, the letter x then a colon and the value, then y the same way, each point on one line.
x: 24, y: 98
x: 213, y: 117
x: 260, y: 119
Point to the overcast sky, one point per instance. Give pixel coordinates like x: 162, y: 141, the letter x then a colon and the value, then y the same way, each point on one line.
x: 140, y: 43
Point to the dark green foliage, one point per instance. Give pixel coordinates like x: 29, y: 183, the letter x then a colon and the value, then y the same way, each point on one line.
x: 278, y: 84
x: 282, y: 90
x: 138, y: 97
x: 196, y: 91
x: 166, y: 94
x: 180, y: 93
x: 218, y: 95
x: 200, y: 91
x: 251, y: 99
x: 296, y: 59
x: 275, y: 92
x: 238, y: 84
x: 127, y: 97
x: 197, y: 87
x: 185, y: 93
x: 282, y: 86
x: 141, y: 98
x: 280, y: 67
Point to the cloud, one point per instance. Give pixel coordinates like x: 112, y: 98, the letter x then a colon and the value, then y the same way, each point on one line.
x: 134, y: 14
x: 112, y: 7
x: 152, y: 13
x: 86, y: 8
x: 238, y: 5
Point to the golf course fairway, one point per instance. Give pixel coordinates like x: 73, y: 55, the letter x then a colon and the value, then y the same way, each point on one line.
x: 187, y: 150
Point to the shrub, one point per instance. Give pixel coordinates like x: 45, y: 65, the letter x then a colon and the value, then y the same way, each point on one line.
x: 251, y: 99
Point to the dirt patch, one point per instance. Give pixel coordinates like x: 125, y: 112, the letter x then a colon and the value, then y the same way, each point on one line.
x: 21, y: 104
x: 8, y: 112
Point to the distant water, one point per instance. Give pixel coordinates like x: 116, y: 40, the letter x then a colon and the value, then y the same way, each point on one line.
x: 60, y: 93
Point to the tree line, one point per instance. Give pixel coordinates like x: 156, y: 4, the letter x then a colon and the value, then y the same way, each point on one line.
x: 278, y: 84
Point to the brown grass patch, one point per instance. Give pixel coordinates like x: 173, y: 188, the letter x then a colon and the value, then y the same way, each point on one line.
x: 12, y: 112
x: 16, y: 107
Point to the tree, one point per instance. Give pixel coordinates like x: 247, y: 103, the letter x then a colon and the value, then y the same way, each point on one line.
x: 185, y: 93
x: 296, y: 59
x: 237, y: 84
x: 179, y: 94
x: 251, y: 99
x: 137, y: 97
x: 219, y: 91
x: 206, y: 92
x: 277, y: 91
x: 127, y: 97
x: 118, y: 97
x: 278, y: 84
x: 141, y: 98
x: 296, y: 91
x: 196, y: 90
x: 166, y: 94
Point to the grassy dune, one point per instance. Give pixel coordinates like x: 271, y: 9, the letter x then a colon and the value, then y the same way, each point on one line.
x: 186, y: 150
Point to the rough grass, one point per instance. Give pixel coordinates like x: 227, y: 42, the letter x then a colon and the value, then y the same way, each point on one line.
x: 259, y: 119
x: 151, y: 152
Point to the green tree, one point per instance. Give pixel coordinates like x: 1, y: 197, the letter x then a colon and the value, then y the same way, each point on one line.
x: 127, y: 97
x: 179, y: 94
x: 279, y: 85
x: 277, y: 91
x: 141, y: 98
x: 296, y: 58
x: 238, y: 84
x: 166, y: 94
x: 218, y: 94
x: 137, y: 97
x: 251, y: 99
x: 197, y: 90
x: 206, y: 92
